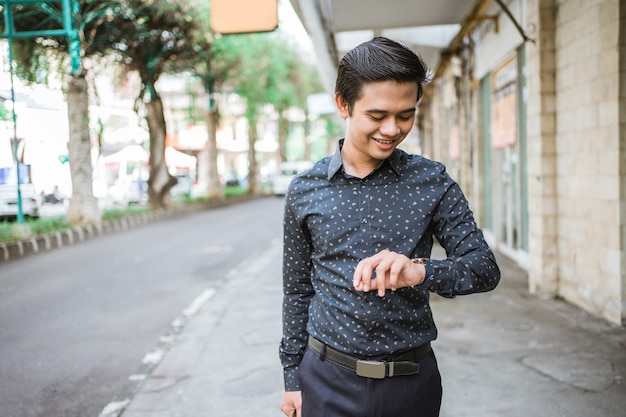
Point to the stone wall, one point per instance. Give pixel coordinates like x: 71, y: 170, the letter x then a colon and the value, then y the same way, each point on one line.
x: 588, y: 148
x: 575, y: 149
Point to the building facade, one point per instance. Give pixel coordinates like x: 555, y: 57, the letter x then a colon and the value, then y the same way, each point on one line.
x: 529, y: 116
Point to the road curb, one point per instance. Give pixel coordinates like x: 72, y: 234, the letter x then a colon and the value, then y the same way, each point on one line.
x: 56, y: 240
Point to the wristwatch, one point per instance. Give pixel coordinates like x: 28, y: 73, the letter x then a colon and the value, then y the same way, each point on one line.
x: 427, y: 266
x: 420, y: 260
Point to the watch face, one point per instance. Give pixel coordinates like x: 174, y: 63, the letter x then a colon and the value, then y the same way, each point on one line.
x: 420, y: 260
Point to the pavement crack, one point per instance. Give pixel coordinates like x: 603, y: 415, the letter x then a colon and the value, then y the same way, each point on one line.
x: 580, y: 370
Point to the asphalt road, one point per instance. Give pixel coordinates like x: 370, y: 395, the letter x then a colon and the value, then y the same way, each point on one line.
x: 80, y: 325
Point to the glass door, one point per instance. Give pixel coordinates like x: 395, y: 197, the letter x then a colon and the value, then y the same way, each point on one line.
x: 507, y: 160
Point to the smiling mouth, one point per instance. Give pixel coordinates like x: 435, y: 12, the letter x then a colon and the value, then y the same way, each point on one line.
x: 384, y: 142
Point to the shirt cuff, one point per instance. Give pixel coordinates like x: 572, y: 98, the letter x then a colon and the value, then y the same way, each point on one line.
x: 430, y: 275
x: 292, y: 382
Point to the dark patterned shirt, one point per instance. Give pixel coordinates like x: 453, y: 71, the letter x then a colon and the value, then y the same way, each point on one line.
x: 333, y: 220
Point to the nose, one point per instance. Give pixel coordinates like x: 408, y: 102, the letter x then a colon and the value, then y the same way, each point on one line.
x: 390, y: 127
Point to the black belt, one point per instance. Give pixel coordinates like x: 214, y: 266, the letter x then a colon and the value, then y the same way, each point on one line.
x: 405, y: 363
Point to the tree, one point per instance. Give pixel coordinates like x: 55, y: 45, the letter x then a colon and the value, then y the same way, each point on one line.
x: 203, y: 63
x: 87, y: 18
x: 299, y: 80
x: 231, y: 62
x: 148, y: 37
x: 264, y: 70
x: 253, y: 80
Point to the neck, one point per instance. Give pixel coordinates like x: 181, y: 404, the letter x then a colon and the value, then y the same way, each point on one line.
x: 355, y: 166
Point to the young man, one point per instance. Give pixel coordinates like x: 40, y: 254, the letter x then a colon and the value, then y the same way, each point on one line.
x: 358, y: 228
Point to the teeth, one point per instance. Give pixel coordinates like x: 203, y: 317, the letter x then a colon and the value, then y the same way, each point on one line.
x: 384, y: 142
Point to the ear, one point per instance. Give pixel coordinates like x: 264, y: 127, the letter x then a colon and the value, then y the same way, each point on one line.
x: 342, y: 107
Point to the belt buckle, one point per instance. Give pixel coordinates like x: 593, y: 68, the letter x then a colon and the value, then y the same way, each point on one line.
x: 371, y: 369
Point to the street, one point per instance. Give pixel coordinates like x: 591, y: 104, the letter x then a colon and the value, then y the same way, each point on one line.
x: 182, y: 319
x: 81, y: 326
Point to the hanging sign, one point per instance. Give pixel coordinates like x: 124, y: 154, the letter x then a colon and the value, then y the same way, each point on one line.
x: 244, y: 16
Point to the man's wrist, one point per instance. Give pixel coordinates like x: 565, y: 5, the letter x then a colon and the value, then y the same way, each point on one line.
x: 428, y: 268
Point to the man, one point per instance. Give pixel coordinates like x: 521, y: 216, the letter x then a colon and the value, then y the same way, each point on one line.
x: 357, y: 229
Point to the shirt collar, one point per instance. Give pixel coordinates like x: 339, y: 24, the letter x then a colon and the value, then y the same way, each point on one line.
x: 336, y: 162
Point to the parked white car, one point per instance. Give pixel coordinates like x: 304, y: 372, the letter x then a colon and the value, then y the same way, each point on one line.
x: 31, y: 200
x: 286, y: 172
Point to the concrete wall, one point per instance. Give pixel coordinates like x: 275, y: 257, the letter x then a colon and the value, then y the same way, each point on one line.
x: 495, y: 47
x: 575, y: 168
x: 541, y: 151
x: 576, y: 143
x: 588, y: 150
x: 621, y: 48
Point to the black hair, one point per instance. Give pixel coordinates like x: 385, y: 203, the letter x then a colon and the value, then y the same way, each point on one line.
x: 379, y: 59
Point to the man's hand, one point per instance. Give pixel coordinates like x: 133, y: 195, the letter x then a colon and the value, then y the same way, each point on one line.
x: 292, y: 404
x: 393, y: 271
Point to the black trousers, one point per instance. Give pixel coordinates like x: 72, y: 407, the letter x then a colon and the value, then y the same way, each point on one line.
x: 330, y: 390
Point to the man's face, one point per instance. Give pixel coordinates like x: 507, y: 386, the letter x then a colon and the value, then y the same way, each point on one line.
x: 381, y: 118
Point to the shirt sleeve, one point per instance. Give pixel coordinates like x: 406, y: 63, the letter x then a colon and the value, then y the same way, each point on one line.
x: 297, y: 294
x: 470, y: 266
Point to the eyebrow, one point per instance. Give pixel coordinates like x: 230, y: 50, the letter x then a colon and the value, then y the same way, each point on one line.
x: 377, y: 111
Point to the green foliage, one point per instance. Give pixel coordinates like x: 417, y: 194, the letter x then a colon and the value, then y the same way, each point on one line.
x: 4, y: 113
x: 263, y: 68
x: 233, y: 191
x: 48, y: 225
x: 150, y: 35
x: 33, y: 55
x: 9, y: 232
x: 156, y: 36
x: 188, y: 199
x: 118, y: 213
x: 258, y: 76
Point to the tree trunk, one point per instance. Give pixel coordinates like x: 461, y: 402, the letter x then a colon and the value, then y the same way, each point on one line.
x: 283, y: 133
x: 214, y: 188
x: 160, y: 181
x: 83, y: 206
x: 307, y: 139
x: 252, y: 168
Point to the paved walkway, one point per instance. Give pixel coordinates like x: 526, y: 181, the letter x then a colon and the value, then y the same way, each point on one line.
x: 503, y: 353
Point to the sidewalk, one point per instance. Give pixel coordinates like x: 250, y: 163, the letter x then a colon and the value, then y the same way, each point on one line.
x: 503, y: 354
